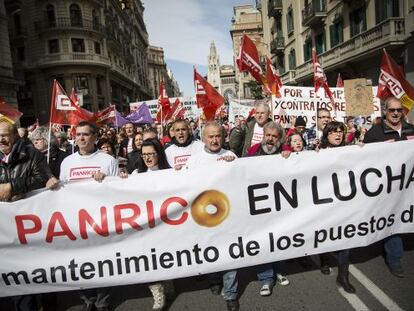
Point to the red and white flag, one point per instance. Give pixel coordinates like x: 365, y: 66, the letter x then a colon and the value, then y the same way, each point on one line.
x: 393, y: 83
x: 62, y: 109
x: 319, y: 78
x: 85, y: 114
x: 339, y: 81
x: 273, y: 81
x: 106, y: 115
x: 248, y: 59
x: 8, y: 113
x: 207, y: 97
x: 177, y: 111
x: 164, y: 105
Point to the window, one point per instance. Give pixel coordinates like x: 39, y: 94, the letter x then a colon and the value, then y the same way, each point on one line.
x: 97, y: 47
x: 50, y: 15
x: 336, y: 31
x: 358, y: 21
x: 53, y: 46
x: 320, y: 43
x: 21, y: 54
x: 289, y: 21
x: 307, y: 50
x: 17, y: 24
x: 80, y: 82
x: 280, y: 64
x: 99, y: 80
x: 78, y: 45
x: 75, y: 15
x: 95, y: 20
x: 385, y: 9
x: 292, y: 59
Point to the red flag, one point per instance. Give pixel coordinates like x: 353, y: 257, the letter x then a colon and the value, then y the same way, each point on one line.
x: 105, y: 116
x: 62, y: 109
x: 8, y: 113
x: 273, y: 82
x: 339, y: 81
x: 248, y: 59
x: 392, y: 83
x: 177, y: 111
x: 164, y: 105
x: 84, y: 114
x: 207, y: 96
x: 319, y: 78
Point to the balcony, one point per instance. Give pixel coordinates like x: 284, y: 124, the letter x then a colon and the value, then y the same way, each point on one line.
x: 314, y: 13
x: 362, y: 46
x: 73, y: 59
x: 277, y: 45
x: 65, y: 23
x: 274, y: 8
x: 289, y: 77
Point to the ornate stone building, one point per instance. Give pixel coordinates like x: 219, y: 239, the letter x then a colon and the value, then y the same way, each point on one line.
x: 157, y: 72
x: 213, y: 67
x: 97, y: 47
x: 246, y: 20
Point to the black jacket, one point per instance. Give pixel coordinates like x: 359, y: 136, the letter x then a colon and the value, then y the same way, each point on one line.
x: 134, y: 161
x: 382, y: 132
x: 26, y: 169
x: 55, y: 159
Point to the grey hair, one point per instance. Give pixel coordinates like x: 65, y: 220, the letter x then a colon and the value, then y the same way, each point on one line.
x: 262, y: 103
x: 280, y: 130
x: 42, y: 132
x: 212, y: 124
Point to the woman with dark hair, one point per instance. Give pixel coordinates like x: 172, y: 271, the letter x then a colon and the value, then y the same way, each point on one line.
x: 134, y: 158
x: 334, y: 136
x: 153, y: 159
x: 106, y: 146
x: 153, y: 156
x: 295, y: 141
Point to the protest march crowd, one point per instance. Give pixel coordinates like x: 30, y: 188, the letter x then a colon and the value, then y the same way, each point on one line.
x: 47, y: 157
x: 33, y: 159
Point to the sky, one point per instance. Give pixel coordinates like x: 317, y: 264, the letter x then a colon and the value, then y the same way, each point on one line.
x: 185, y: 29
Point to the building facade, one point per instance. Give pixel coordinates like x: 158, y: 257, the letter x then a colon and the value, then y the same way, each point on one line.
x: 158, y: 72
x: 8, y: 84
x: 213, y: 68
x: 246, y: 20
x: 228, y: 83
x: 97, y: 47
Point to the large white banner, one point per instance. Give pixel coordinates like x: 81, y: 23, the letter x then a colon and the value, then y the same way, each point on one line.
x: 303, y: 101
x: 172, y: 224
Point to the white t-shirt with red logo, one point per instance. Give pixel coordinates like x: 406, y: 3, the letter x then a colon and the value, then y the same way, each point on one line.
x: 77, y: 167
x: 204, y: 157
x: 179, y: 155
x: 257, y: 134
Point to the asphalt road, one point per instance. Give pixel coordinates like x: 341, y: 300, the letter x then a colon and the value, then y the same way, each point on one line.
x: 376, y: 288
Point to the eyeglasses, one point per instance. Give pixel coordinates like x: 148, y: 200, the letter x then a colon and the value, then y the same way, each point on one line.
x: 148, y: 155
x: 336, y: 132
x: 399, y: 110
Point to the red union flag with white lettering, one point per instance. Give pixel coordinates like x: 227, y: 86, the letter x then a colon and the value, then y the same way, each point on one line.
x: 248, y: 59
x: 106, y: 116
x: 392, y: 83
x: 207, y: 96
x: 319, y: 78
x: 63, y: 110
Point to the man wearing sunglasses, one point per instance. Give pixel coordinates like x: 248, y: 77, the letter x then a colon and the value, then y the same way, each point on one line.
x: 392, y: 128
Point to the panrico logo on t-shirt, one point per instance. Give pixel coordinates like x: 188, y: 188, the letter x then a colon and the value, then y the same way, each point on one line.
x: 182, y: 159
x: 83, y: 172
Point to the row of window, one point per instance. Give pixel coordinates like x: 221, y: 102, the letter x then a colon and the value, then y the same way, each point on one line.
x: 78, y: 46
x: 75, y: 14
x: 383, y: 8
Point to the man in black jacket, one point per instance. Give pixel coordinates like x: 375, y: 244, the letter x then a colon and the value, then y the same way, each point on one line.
x: 22, y: 169
x: 392, y: 128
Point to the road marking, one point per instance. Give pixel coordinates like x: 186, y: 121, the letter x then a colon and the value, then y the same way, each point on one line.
x: 382, y: 297
x: 353, y: 300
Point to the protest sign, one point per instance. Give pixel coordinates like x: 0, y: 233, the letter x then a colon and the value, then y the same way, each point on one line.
x: 358, y: 98
x: 240, y: 108
x: 155, y: 226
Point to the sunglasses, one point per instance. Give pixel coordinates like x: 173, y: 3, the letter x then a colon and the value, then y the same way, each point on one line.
x: 399, y: 110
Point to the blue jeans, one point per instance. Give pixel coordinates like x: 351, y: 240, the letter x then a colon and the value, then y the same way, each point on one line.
x: 230, y: 284
x: 266, y: 273
x: 393, y: 250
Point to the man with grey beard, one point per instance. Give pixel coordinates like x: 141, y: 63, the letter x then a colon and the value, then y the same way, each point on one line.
x: 273, y: 139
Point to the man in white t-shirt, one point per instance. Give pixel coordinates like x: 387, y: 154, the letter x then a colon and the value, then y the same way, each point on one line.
x: 252, y: 133
x: 89, y: 162
x: 183, y: 145
x: 213, y: 153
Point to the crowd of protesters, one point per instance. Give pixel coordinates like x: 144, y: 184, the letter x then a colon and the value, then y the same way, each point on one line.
x: 184, y: 144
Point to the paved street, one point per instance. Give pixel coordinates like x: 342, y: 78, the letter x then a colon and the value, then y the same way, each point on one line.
x: 376, y: 289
